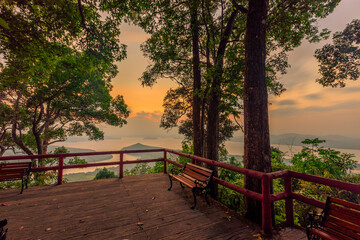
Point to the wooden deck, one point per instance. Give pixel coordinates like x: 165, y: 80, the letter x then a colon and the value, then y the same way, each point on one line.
x: 137, y: 207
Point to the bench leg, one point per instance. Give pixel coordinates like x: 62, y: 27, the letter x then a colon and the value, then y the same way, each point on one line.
x: 170, y: 183
x: 181, y: 184
x: 206, y: 198
x: 194, y: 193
x: 22, y: 185
x: 311, y: 236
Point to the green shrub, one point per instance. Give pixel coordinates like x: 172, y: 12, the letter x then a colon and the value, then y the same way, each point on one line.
x: 104, y: 173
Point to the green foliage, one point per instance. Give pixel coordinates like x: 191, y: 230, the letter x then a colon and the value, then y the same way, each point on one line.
x: 340, y: 61
x: 76, y: 160
x: 277, y: 159
x: 104, y: 173
x: 230, y: 198
x: 139, y: 169
x: 323, y: 162
x: 59, y: 59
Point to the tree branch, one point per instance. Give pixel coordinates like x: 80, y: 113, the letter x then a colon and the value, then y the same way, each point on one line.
x: 239, y: 7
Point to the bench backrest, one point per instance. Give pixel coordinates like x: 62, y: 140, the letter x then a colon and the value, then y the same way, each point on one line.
x: 14, y: 170
x: 197, y: 172
x: 342, y: 218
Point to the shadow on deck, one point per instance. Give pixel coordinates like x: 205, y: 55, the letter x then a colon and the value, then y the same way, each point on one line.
x: 137, y: 207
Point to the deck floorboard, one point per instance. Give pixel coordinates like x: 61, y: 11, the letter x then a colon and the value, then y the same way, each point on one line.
x: 112, y: 209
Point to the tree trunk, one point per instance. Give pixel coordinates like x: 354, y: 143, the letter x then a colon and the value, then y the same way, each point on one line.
x: 256, y: 137
x: 215, y: 94
x: 197, y: 136
x: 212, y: 141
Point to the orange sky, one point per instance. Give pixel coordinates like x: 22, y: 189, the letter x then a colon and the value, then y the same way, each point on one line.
x: 306, y: 107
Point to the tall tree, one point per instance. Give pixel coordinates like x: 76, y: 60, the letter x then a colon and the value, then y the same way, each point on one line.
x: 262, y: 36
x: 56, y: 80
x: 196, y: 102
x: 257, y: 154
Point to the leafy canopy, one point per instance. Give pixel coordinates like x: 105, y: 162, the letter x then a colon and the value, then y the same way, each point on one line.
x: 340, y: 61
x: 59, y: 59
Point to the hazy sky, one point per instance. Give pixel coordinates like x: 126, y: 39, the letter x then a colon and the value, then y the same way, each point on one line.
x: 306, y: 107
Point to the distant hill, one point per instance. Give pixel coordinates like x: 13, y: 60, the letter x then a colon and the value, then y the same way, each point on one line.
x: 294, y: 139
x: 88, y: 159
x: 139, y: 146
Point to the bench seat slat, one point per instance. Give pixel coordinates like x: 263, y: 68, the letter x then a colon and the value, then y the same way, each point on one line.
x: 184, y: 180
x: 201, y: 170
x: 11, y: 176
x: 25, y: 164
x: 343, y: 223
x: 9, y: 171
x: 336, y: 228
x: 195, y: 175
x: 325, y: 235
x: 345, y: 203
x: 346, y: 216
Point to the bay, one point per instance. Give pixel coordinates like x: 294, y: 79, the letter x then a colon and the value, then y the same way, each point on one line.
x: 234, y: 148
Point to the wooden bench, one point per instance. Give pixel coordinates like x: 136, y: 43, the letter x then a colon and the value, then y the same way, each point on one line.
x: 15, y: 171
x: 340, y: 220
x: 195, y: 177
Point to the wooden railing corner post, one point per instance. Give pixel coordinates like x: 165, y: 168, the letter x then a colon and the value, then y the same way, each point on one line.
x: 121, y: 168
x: 164, y: 160
x: 266, y: 205
x: 60, y: 170
x: 289, y: 205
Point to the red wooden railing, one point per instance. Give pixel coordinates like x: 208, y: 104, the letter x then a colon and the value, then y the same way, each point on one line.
x: 265, y: 197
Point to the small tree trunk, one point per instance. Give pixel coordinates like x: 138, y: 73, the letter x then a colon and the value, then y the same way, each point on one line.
x: 256, y: 137
x: 212, y: 141
x: 197, y: 139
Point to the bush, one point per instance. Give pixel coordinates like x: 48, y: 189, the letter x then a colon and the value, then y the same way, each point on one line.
x: 104, y: 173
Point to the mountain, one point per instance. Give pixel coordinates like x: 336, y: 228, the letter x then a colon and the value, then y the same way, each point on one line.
x: 139, y: 146
x: 89, y: 159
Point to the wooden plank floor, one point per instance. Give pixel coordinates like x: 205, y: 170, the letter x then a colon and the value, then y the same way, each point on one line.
x: 114, y: 209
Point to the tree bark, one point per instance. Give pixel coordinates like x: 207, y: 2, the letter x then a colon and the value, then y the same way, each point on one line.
x: 257, y: 155
x: 197, y: 135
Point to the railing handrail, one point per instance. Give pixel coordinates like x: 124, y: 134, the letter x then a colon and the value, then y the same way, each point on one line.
x: 245, y: 171
x: 266, y: 178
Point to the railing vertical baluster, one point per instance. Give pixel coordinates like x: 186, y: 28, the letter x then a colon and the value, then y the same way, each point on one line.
x: 121, y: 170
x: 60, y: 170
x: 165, y: 167
x: 266, y: 205
x: 289, y: 206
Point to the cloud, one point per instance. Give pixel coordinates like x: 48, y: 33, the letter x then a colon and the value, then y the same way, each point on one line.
x: 351, y: 89
x: 152, y: 116
x: 140, y: 124
x: 287, y: 111
x: 313, y: 96
x: 286, y: 102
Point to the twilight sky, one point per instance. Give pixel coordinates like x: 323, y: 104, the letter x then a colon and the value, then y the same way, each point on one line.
x: 305, y: 107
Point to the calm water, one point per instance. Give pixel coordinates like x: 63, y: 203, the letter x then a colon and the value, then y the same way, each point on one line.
x: 234, y: 148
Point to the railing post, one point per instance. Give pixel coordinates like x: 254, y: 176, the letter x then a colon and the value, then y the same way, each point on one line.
x: 121, y: 169
x: 60, y: 170
x: 266, y: 205
x: 165, y: 167
x: 289, y: 205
